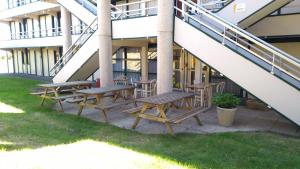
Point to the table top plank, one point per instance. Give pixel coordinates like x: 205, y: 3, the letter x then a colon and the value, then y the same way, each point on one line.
x: 143, y: 82
x: 66, y: 84
x: 165, y: 98
x: 103, y: 90
x: 200, y: 85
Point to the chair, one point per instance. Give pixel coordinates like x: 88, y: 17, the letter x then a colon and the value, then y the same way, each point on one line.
x: 202, y: 97
x: 220, y: 87
x: 151, y: 90
x: 138, y: 90
x: 121, y: 80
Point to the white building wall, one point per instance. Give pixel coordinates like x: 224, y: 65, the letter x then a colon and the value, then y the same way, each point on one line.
x: 39, y: 63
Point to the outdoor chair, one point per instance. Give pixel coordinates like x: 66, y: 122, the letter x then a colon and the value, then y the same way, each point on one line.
x: 202, y: 97
x: 220, y: 87
x: 151, y: 90
x: 138, y: 90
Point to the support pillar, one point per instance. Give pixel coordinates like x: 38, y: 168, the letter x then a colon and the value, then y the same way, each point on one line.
x: 165, y: 46
x: 144, y: 62
x: 66, y: 29
x: 105, y: 43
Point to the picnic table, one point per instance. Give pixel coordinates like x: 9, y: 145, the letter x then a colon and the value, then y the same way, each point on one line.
x: 53, y: 91
x: 100, y: 93
x: 162, y: 103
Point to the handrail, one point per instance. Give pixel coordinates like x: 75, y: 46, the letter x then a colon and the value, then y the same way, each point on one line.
x: 87, y: 33
x: 51, y: 32
x: 119, y: 11
x: 214, y: 5
x: 134, y: 3
x: 238, y: 35
x: 88, y: 5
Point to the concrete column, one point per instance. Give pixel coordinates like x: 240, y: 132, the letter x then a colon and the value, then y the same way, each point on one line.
x: 105, y: 43
x: 165, y: 46
x: 144, y: 62
x: 66, y: 29
x: 198, y: 71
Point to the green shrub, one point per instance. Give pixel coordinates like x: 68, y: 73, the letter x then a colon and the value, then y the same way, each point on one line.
x: 226, y: 100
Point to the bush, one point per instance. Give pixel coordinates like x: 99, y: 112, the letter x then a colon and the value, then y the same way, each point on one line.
x: 226, y: 100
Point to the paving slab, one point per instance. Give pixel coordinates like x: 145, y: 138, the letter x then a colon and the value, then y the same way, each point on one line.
x: 246, y: 120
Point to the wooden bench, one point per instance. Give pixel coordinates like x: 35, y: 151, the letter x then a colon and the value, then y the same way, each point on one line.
x: 41, y: 92
x: 192, y: 113
x: 134, y: 110
x: 64, y: 97
x: 106, y: 107
x: 78, y: 100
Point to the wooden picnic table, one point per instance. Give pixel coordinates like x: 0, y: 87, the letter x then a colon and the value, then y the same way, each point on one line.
x: 100, y: 93
x: 162, y: 103
x: 52, y: 91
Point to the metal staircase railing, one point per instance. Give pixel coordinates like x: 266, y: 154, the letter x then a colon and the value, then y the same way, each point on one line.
x: 276, y: 58
x: 90, y: 6
x: 214, y: 5
x: 87, y: 33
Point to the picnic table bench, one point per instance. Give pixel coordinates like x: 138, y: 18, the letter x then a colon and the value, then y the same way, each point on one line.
x: 163, y: 103
x: 100, y: 93
x: 53, y: 91
x: 106, y: 107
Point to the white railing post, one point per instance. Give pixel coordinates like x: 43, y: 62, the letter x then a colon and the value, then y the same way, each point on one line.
x: 224, y: 36
x: 273, y: 62
x: 183, y: 10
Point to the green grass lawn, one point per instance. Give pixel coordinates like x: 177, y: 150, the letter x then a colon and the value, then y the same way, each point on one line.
x: 27, y: 127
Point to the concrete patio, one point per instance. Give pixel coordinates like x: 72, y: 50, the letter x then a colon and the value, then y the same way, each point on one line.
x: 247, y: 120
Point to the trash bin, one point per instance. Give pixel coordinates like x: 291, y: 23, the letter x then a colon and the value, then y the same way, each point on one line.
x: 98, y: 83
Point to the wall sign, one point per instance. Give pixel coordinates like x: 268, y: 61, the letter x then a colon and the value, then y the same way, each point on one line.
x: 239, y: 7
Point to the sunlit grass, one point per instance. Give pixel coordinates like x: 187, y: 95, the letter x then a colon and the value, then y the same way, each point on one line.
x: 5, y: 108
x: 84, y: 154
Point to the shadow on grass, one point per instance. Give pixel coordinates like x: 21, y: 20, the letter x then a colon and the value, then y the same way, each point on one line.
x: 40, y: 126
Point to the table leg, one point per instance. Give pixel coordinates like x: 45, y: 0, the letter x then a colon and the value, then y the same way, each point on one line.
x: 161, y: 110
x: 58, y: 101
x: 198, y: 120
x: 138, y: 119
x: 116, y: 95
x: 209, y: 96
x: 44, y: 96
x: 82, y: 104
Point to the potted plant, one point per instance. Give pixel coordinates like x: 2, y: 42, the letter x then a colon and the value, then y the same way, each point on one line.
x: 226, y: 108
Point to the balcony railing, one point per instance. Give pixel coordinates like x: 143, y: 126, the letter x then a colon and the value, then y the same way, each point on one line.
x: 134, y: 9
x: 17, y: 3
x: 75, y: 30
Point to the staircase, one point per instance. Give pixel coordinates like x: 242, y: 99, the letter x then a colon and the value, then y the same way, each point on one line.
x: 82, y: 9
x: 268, y: 73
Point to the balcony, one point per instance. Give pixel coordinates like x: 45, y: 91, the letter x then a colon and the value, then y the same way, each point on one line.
x: 26, y: 7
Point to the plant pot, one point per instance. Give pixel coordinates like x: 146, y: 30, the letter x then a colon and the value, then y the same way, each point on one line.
x: 226, y: 116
